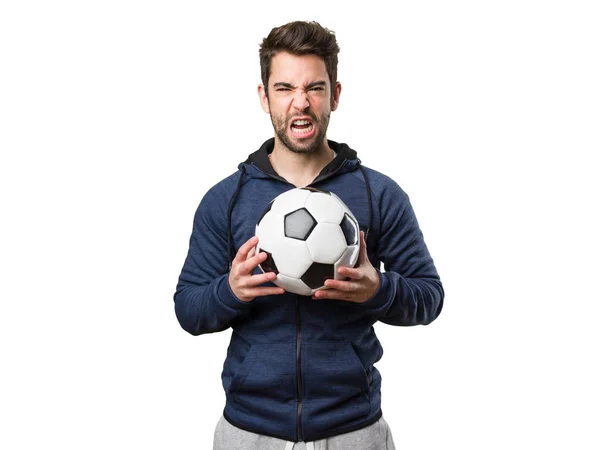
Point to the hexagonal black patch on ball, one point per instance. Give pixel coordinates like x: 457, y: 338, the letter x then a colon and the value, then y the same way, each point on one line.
x: 267, y: 209
x: 299, y: 224
x: 350, y: 229
x: 316, y: 275
x: 268, y: 265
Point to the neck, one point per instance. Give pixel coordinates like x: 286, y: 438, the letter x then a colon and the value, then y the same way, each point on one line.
x: 300, y: 169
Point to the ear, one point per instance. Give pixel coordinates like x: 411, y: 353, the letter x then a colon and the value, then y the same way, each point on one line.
x: 262, y: 96
x: 337, y: 90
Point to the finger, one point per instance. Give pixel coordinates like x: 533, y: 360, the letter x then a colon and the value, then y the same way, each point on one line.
x: 349, y: 272
x: 243, y: 251
x: 330, y: 294
x: 362, y: 255
x: 249, y: 265
x: 344, y: 286
x: 263, y: 291
x: 251, y: 253
x: 256, y: 280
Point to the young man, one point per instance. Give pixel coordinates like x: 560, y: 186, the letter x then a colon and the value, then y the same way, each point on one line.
x: 299, y: 370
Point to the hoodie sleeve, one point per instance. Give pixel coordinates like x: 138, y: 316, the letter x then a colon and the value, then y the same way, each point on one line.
x: 204, y: 301
x: 410, y: 291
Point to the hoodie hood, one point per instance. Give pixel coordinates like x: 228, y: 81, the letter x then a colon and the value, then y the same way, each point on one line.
x: 346, y: 160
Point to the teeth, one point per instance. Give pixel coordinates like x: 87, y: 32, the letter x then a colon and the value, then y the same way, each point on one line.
x: 302, y: 130
x: 300, y: 122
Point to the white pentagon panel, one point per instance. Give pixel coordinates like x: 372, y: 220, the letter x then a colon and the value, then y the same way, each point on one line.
x: 293, y: 285
x: 290, y: 201
x: 348, y: 259
x: 292, y: 257
x: 270, y: 231
x: 325, y: 208
x: 326, y: 243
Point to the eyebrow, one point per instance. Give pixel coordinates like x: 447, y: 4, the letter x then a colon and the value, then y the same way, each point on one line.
x: 309, y: 86
x: 281, y: 84
x: 316, y: 83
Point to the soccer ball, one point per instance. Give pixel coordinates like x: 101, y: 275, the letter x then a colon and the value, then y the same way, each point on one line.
x: 307, y: 234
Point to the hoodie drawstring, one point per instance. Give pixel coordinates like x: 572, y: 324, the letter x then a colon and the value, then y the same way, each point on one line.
x: 368, y: 187
x: 290, y: 446
x: 229, y: 211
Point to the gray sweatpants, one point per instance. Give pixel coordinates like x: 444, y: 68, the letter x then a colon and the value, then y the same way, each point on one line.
x: 377, y: 436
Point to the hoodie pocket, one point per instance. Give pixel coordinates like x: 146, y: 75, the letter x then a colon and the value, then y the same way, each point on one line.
x: 266, y: 375
x: 335, y: 381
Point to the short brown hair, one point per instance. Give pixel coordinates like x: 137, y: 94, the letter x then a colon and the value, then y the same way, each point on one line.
x: 300, y: 38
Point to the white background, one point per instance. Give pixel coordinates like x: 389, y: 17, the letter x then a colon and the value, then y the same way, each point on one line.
x: 117, y: 116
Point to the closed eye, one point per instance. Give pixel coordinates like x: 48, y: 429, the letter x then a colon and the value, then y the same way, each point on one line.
x: 317, y: 86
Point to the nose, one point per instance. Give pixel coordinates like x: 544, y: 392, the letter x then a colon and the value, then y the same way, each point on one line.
x: 300, y: 101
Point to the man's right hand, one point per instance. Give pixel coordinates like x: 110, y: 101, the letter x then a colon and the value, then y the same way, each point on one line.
x: 244, y: 285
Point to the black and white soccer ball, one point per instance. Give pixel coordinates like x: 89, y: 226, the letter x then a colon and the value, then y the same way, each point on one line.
x: 307, y: 235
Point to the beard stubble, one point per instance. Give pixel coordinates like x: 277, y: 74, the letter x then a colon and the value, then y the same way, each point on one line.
x: 282, y: 126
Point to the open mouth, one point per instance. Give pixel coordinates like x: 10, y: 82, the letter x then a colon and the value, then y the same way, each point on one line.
x: 302, y: 127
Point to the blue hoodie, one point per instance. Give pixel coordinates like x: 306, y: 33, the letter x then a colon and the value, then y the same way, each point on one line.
x: 296, y: 368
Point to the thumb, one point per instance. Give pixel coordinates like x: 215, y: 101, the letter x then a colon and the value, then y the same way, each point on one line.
x: 362, y: 255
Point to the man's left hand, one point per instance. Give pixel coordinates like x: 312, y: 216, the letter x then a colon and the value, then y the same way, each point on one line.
x: 363, y: 282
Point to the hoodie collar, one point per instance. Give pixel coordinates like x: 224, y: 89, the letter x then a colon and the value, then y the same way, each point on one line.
x: 260, y: 159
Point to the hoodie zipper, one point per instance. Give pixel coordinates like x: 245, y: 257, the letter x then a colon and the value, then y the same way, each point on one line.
x: 299, y: 368
x: 298, y: 321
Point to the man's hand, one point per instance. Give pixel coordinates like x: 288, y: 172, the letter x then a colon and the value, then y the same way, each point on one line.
x: 363, y: 283
x: 244, y: 285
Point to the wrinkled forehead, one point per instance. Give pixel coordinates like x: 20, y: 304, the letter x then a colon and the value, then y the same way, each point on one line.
x: 297, y: 69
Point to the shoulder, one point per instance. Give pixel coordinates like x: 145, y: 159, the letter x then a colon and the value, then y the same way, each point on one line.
x: 215, y: 201
x: 224, y: 189
x: 383, y: 186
